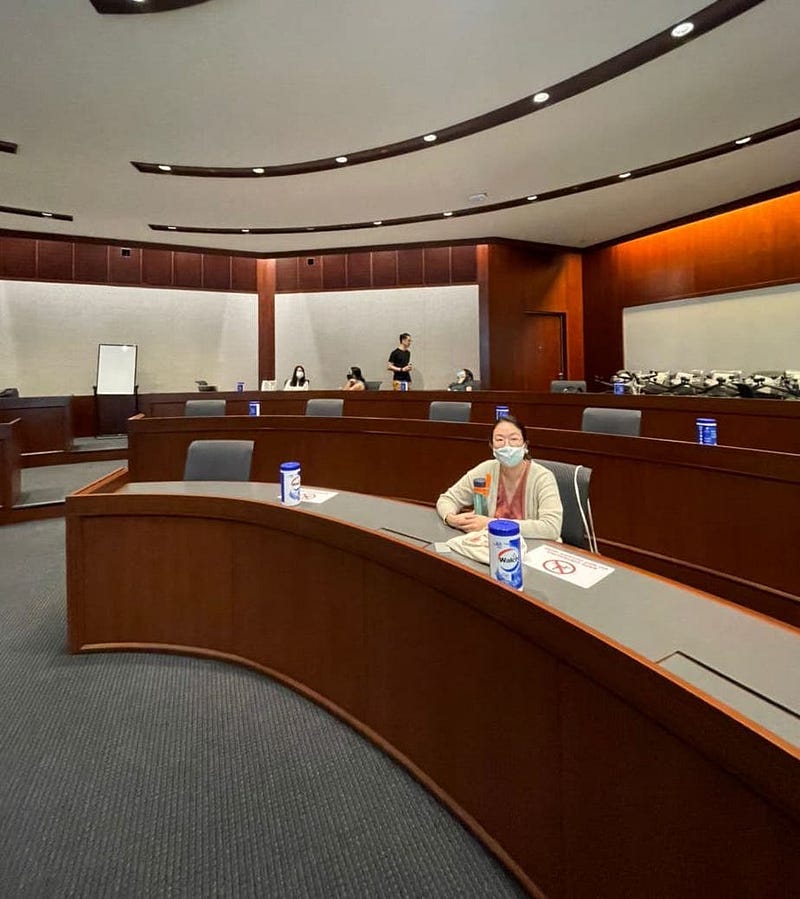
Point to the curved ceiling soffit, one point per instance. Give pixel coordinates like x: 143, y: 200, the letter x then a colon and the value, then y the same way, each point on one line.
x: 734, y: 145
x: 704, y: 21
x: 140, y: 7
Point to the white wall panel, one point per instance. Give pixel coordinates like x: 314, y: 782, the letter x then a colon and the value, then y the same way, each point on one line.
x: 328, y: 332
x: 49, y: 334
x: 749, y: 330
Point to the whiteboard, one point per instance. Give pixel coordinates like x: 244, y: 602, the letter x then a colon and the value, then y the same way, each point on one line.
x: 116, y: 368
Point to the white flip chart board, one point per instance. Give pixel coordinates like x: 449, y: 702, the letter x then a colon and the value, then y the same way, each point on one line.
x: 116, y: 368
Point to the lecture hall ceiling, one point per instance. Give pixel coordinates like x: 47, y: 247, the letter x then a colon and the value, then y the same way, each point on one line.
x: 249, y: 104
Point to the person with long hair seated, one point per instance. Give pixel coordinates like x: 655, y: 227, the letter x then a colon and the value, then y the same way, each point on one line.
x: 354, y: 379
x: 298, y: 380
x: 464, y: 380
x: 518, y: 488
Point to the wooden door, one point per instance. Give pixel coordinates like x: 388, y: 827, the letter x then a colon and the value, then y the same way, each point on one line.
x: 541, y: 351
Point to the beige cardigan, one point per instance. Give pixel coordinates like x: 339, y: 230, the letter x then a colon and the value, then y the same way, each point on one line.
x: 543, y: 511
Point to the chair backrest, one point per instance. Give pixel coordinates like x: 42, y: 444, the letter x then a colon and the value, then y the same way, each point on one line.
x: 10, y: 391
x: 443, y: 410
x: 627, y: 422
x: 568, y: 386
x: 573, y: 487
x: 325, y: 408
x: 204, y: 408
x: 218, y: 460
x: 373, y: 385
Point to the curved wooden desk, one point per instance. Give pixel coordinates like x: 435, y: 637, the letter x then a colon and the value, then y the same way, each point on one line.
x: 579, y: 759
x: 722, y: 519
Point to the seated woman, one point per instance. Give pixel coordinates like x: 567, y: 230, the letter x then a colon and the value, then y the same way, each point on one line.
x: 518, y: 488
x: 355, y: 380
x: 464, y: 380
x: 298, y: 380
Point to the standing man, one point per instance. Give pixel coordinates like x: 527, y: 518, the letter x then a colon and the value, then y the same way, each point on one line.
x: 400, y: 363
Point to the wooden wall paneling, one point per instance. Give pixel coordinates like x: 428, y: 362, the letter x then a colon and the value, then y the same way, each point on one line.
x: 17, y: 257
x: 157, y: 267
x: 266, y: 276
x: 10, y: 464
x: 410, y: 267
x: 436, y: 262
x: 91, y: 263
x: 243, y: 274
x: 309, y: 273
x: 216, y: 271
x: 464, y: 264
x: 359, y: 270
x: 334, y: 271
x: 124, y: 269
x: 286, y: 274
x: 55, y: 260
x: 512, y: 283
x: 384, y: 268
x: 188, y: 269
x: 757, y: 246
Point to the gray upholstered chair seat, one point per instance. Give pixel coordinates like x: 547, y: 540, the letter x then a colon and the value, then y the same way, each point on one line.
x: 577, y: 528
x: 627, y: 422
x: 325, y: 408
x: 218, y: 460
x: 203, y: 408
x: 443, y: 410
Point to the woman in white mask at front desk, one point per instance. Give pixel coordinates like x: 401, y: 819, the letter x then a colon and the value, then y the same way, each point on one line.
x: 516, y: 487
x: 298, y: 380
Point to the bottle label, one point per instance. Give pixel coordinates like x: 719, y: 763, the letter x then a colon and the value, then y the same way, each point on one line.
x: 505, y: 560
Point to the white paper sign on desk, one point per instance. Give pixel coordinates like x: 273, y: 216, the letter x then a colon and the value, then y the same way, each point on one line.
x: 316, y: 496
x: 567, y: 566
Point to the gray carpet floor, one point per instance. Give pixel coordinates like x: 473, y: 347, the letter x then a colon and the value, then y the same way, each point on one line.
x: 145, y: 775
x: 51, y: 483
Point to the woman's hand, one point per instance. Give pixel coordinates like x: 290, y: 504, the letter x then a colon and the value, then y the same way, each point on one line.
x: 467, y: 521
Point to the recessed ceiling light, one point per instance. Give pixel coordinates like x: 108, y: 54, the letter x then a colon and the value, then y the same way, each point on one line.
x: 683, y: 29
x: 429, y: 138
x: 258, y: 171
x: 47, y: 215
x: 625, y: 175
x: 172, y: 227
x: 245, y: 230
x: 377, y: 223
x: 310, y: 228
x: 532, y: 197
x: 446, y: 214
x: 743, y: 140
x: 541, y: 97
x: 165, y: 168
x: 341, y: 159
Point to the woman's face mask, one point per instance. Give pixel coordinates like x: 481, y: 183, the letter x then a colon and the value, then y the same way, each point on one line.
x: 299, y: 373
x: 509, y: 455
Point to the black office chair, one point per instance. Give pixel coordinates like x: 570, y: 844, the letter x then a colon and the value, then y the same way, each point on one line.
x: 442, y: 410
x: 562, y: 386
x: 325, y: 408
x: 9, y: 392
x: 218, y: 460
x: 577, y: 527
x: 204, y: 408
x: 627, y: 422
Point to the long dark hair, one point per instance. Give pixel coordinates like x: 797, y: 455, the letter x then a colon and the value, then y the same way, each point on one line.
x: 295, y: 381
x: 355, y: 371
x: 517, y: 424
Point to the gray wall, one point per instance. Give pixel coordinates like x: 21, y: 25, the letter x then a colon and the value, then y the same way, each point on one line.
x: 749, y: 330
x: 328, y: 332
x: 49, y: 334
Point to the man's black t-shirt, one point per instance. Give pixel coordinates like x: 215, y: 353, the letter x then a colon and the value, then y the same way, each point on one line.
x: 400, y: 358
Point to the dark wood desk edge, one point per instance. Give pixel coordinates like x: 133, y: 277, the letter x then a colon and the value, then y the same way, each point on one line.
x: 10, y: 464
x: 737, y: 744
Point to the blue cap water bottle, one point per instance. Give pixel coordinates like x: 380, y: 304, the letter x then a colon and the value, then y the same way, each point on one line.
x: 505, y: 552
x: 290, y: 483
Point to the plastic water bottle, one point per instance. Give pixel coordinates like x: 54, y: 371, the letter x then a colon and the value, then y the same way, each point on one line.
x: 707, y: 431
x: 480, y: 496
x: 290, y: 483
x: 500, y: 411
x: 619, y: 388
x: 255, y: 408
x: 505, y: 552
x: 240, y: 386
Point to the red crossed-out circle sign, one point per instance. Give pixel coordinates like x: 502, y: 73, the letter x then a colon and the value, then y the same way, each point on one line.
x: 558, y: 566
